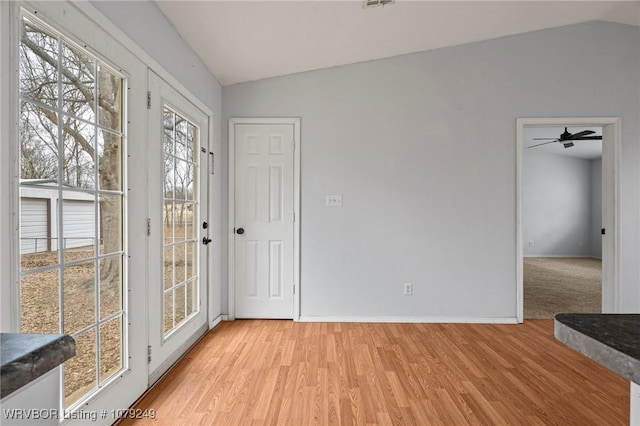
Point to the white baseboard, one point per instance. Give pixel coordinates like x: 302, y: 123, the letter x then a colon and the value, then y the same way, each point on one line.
x: 560, y: 255
x: 435, y: 320
x: 217, y: 320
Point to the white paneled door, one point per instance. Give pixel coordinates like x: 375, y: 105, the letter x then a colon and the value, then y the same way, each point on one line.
x: 264, y: 220
x: 178, y: 241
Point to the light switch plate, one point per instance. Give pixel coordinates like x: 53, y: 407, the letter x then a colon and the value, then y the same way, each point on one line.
x: 333, y: 200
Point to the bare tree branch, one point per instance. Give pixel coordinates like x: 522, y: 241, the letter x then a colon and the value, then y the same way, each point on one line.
x: 53, y: 117
x: 72, y: 78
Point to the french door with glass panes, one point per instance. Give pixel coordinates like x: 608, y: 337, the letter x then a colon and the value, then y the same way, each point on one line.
x: 78, y: 255
x: 178, y: 242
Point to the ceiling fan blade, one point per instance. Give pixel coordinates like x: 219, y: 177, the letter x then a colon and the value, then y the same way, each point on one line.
x: 588, y: 138
x: 544, y: 143
x: 580, y: 134
x: 568, y: 145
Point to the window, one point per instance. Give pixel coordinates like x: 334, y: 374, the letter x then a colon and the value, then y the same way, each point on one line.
x: 181, y: 204
x: 72, y: 243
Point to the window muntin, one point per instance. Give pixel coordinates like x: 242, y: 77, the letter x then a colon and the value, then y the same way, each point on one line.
x: 180, y: 216
x: 71, y: 204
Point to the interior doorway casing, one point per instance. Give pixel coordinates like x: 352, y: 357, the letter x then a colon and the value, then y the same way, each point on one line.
x: 611, y: 143
x: 231, y: 290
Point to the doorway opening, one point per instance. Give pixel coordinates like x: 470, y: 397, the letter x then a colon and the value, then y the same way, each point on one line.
x: 567, y: 233
x: 562, y: 220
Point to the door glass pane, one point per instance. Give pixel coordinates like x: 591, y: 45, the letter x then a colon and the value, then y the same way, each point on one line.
x: 109, y: 99
x: 79, y: 296
x: 79, y: 149
x: 40, y: 302
x: 168, y: 131
x: 168, y: 311
x: 110, y: 348
x: 38, y: 63
x: 78, y: 225
x: 180, y: 227
x: 192, y: 297
x: 182, y: 179
x: 192, y: 138
x: 179, y: 264
x: 38, y: 144
x: 181, y: 137
x: 78, y: 83
x: 110, y: 224
x: 110, y: 285
x: 189, y: 221
x: 190, y: 263
x: 38, y: 246
x: 180, y: 303
x: 110, y: 157
x: 80, y: 371
x: 189, y: 188
x: 180, y: 218
x: 71, y: 204
x: 168, y: 267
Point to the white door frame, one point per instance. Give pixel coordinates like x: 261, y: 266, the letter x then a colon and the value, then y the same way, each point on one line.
x: 168, y: 349
x: 231, y: 288
x: 612, y: 136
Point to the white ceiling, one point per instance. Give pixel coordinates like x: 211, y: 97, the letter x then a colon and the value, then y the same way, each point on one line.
x: 585, y: 149
x: 249, y: 40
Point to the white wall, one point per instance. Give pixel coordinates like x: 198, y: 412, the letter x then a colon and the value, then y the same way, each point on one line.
x: 596, y: 208
x: 145, y: 24
x: 556, y: 205
x: 422, y: 147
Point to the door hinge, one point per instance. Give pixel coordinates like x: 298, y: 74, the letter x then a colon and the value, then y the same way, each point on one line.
x: 149, y: 354
x: 149, y: 100
x: 148, y: 226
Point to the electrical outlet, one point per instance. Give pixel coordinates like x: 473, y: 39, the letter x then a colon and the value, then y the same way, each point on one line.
x: 333, y: 200
x: 530, y: 243
x: 408, y: 289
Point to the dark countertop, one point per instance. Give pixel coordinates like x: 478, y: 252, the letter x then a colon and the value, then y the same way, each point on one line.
x: 25, y: 357
x: 613, y: 340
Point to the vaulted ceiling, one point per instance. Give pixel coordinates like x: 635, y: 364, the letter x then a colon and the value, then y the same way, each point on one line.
x: 249, y: 40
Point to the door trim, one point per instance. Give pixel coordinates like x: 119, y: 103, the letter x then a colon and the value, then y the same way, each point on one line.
x: 610, y: 126
x: 231, y: 284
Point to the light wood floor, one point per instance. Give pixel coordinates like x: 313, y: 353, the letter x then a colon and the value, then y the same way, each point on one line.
x: 281, y: 372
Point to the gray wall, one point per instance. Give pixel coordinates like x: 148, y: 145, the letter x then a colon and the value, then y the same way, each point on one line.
x: 556, y: 205
x: 422, y: 147
x: 145, y: 24
x: 596, y: 208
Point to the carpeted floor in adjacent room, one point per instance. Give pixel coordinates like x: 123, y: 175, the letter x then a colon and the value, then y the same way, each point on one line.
x: 561, y: 284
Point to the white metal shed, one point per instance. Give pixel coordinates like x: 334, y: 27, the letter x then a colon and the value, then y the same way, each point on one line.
x: 39, y: 219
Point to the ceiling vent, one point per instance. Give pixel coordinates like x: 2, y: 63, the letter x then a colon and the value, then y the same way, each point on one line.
x: 376, y: 3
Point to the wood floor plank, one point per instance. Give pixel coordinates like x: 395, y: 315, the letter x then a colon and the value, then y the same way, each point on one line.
x: 284, y: 373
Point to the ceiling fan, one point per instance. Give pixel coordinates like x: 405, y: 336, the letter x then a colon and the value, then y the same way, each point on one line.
x: 566, y: 138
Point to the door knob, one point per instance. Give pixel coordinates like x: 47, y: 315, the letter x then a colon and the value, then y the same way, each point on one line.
x: 206, y: 240
x: 240, y: 231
